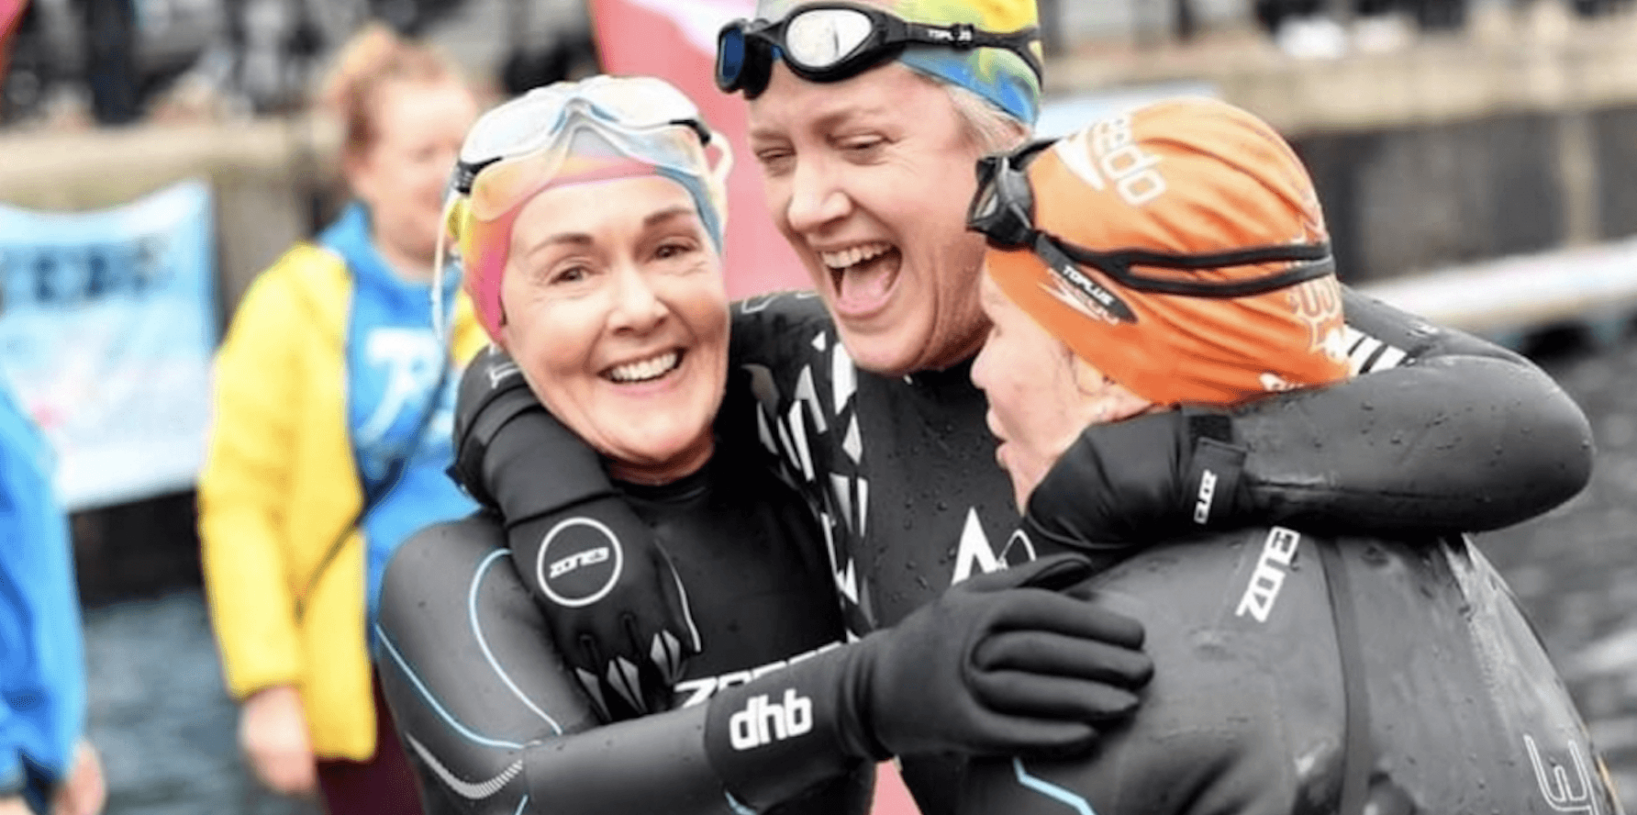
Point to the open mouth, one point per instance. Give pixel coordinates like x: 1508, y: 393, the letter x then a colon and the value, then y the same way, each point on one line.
x: 645, y: 370
x: 863, y: 275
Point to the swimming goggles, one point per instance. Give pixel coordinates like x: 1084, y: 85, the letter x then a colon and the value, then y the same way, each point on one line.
x: 829, y: 42
x: 522, y: 146
x: 600, y: 127
x: 1003, y: 211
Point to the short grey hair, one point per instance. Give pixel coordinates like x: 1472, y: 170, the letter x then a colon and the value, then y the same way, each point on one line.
x: 993, y: 130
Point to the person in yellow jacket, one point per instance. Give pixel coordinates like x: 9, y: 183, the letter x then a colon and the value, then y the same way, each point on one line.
x: 331, y: 436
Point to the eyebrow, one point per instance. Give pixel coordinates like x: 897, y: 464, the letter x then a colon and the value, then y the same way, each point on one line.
x: 667, y: 214
x: 582, y: 238
x: 826, y: 121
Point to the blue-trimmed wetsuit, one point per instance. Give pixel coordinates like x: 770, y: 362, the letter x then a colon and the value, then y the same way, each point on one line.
x: 493, y: 720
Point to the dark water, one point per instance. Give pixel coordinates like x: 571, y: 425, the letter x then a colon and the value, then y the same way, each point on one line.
x: 160, y: 716
x: 166, y: 729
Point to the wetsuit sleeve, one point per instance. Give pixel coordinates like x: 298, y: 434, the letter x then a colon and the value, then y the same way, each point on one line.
x: 1440, y: 432
x: 494, y: 722
x: 515, y: 457
x: 492, y: 719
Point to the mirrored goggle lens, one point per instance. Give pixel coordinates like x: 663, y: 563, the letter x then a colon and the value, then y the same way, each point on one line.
x: 821, y: 38
x: 730, y: 57
x: 504, y: 185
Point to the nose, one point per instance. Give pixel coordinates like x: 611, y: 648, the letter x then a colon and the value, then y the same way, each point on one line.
x: 815, y: 197
x: 637, y: 305
x: 981, y: 365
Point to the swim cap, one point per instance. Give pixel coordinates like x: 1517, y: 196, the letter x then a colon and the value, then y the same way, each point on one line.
x: 1187, y: 177
x: 595, y: 129
x: 995, y: 74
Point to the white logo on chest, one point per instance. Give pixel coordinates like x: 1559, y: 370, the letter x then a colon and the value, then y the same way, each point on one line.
x: 1277, y: 554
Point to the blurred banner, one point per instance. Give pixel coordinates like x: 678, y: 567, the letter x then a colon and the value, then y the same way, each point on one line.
x: 106, y: 333
x: 676, y: 40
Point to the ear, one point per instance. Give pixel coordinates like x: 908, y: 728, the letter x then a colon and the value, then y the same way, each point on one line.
x: 355, y: 169
x: 1104, y: 399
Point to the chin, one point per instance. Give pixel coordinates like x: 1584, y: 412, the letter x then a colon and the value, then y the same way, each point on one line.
x: 884, y: 354
x: 651, y: 446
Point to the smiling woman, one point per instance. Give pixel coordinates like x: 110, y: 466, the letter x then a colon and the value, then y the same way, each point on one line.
x: 618, y: 318
x: 588, y: 219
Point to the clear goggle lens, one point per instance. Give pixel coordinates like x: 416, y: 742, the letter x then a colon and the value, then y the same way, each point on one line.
x: 539, y: 118
x: 584, y: 147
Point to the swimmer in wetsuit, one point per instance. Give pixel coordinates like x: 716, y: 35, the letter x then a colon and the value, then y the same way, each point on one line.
x: 861, y: 386
x: 588, y: 216
x: 1295, y: 672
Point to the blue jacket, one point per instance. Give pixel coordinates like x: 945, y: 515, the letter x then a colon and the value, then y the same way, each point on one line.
x: 42, y: 658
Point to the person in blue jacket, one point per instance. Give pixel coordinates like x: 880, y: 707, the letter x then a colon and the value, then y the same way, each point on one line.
x: 45, y: 763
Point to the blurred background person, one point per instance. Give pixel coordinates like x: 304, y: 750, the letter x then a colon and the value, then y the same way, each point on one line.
x: 45, y: 764
x: 331, y: 434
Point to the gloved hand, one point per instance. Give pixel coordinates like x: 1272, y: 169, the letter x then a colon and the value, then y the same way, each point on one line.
x: 1003, y: 663
x: 612, y: 601
x: 611, y: 598
x: 1139, y: 481
x: 1006, y: 662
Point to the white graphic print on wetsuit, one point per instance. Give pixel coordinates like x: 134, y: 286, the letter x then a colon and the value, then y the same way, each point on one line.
x: 798, y: 433
x: 795, y: 432
x: 1563, y: 791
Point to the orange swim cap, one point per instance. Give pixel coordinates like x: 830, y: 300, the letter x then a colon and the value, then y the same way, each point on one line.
x: 1189, y: 178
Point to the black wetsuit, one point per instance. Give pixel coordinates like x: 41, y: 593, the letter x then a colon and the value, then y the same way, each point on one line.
x: 1295, y: 675
x: 901, y: 471
x: 494, y: 721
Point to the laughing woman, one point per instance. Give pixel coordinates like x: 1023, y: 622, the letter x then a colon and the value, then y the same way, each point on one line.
x: 589, y: 220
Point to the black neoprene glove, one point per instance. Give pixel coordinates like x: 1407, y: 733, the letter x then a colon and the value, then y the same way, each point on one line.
x: 1451, y: 444
x: 1012, y: 662
x: 611, y: 598
x: 1142, y: 480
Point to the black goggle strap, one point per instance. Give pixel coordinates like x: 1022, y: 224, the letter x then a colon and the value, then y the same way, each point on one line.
x: 1069, y: 272
x: 965, y: 37
x: 1312, y: 260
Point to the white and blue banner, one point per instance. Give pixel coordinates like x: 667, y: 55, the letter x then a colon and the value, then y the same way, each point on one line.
x: 107, y: 327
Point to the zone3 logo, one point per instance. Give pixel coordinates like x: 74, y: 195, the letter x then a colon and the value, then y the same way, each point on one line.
x: 1277, y: 554
x: 587, y: 558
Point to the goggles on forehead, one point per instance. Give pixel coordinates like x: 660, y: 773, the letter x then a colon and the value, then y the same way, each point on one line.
x: 522, y: 146
x: 601, y: 127
x: 1003, y: 211
x: 829, y: 42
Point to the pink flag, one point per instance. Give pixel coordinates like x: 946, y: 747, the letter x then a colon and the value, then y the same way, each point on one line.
x: 676, y: 40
